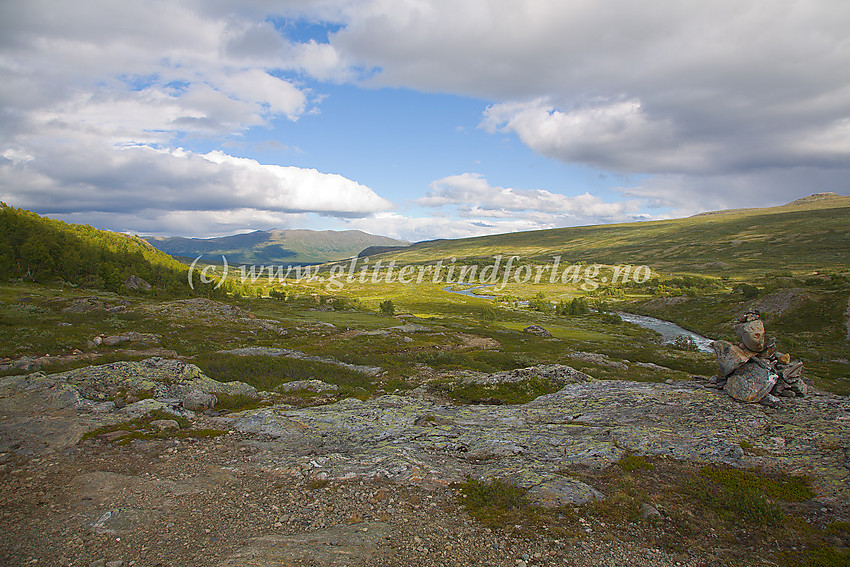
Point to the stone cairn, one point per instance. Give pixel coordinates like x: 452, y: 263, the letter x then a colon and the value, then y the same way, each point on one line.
x: 753, y: 370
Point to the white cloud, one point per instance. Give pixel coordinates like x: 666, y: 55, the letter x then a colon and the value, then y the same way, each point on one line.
x: 723, y: 104
x: 96, y: 96
x: 477, y: 198
x: 156, y: 222
x: 417, y: 228
x: 609, y: 135
x: 96, y: 177
x: 694, y: 88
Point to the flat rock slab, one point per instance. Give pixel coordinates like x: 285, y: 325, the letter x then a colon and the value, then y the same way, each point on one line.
x: 414, y: 440
x: 338, y: 545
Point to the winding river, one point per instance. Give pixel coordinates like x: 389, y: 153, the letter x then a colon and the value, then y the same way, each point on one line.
x: 668, y: 330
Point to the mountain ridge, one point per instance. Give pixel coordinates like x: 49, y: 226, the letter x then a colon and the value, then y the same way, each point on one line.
x: 277, y: 246
x: 806, y: 234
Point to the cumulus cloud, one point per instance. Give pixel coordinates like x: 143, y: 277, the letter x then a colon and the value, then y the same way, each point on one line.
x: 477, y: 198
x: 96, y: 97
x: 97, y: 177
x: 693, y: 89
x: 712, y: 103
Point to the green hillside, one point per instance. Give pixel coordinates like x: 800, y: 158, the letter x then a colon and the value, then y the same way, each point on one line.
x: 806, y: 235
x: 39, y: 249
x: 276, y: 246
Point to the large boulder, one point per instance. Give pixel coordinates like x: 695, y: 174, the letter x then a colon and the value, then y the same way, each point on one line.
x: 198, y: 400
x: 137, y: 283
x: 730, y: 357
x: 751, y: 382
x: 751, y: 333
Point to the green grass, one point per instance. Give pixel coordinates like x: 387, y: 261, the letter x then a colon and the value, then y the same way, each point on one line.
x: 493, y: 503
x: 497, y: 394
x: 236, y: 402
x: 140, y: 428
x: 268, y: 372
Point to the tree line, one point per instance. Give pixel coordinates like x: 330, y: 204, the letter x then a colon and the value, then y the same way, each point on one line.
x: 39, y: 249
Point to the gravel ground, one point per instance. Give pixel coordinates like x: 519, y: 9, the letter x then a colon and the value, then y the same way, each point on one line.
x: 205, y: 502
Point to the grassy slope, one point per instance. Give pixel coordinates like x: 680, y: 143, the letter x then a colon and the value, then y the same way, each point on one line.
x: 797, y: 237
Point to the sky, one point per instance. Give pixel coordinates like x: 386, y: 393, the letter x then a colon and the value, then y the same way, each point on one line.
x: 417, y: 119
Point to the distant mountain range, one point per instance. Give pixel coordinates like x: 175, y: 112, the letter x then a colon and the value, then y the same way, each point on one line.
x: 276, y: 247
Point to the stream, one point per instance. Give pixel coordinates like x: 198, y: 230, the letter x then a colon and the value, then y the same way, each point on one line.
x: 668, y: 330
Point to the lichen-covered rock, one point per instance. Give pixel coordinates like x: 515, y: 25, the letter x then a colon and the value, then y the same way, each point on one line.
x: 558, y: 373
x: 537, y: 330
x: 730, y: 357
x: 51, y: 412
x: 163, y: 424
x: 316, y: 386
x: 298, y: 355
x: 422, y: 441
x: 562, y: 492
x: 411, y: 328
x: 198, y: 400
x: 751, y: 382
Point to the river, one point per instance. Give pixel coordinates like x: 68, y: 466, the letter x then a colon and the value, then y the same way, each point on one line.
x: 668, y: 330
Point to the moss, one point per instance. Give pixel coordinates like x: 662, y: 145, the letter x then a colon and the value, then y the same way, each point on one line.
x: 236, y: 402
x: 819, y: 556
x: 791, y: 488
x: 494, y: 503
x: 746, y: 495
x: 749, y: 448
x: 634, y: 462
x: 140, y: 428
x: 169, y: 434
x: 505, y: 393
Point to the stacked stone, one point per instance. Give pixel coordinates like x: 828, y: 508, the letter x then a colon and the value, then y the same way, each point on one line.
x: 753, y: 370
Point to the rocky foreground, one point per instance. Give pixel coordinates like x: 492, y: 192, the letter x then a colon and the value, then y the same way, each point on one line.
x: 355, y: 483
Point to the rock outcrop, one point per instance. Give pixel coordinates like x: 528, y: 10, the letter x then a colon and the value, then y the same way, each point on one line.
x: 422, y: 441
x: 136, y: 283
x: 538, y: 330
x: 297, y: 354
x: 51, y: 412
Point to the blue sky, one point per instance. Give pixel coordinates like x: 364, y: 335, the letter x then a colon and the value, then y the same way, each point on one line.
x: 417, y: 119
